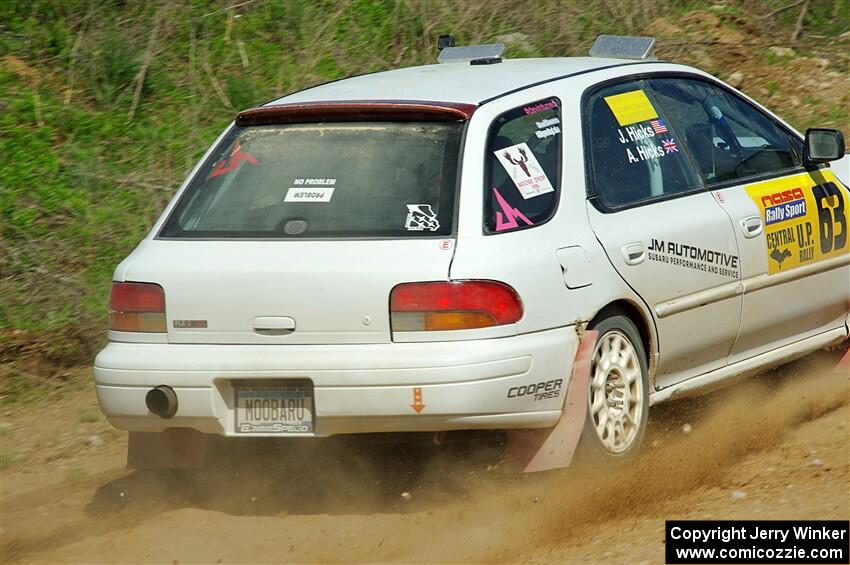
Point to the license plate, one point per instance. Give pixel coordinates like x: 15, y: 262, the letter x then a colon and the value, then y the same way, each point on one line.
x: 278, y: 408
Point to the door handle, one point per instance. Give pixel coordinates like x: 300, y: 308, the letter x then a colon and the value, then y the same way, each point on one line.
x: 752, y: 226
x: 634, y: 253
x: 275, y: 325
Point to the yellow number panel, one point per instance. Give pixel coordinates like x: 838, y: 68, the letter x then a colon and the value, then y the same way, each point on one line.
x: 805, y: 218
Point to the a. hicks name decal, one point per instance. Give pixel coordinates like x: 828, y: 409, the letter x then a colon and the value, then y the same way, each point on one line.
x: 805, y: 219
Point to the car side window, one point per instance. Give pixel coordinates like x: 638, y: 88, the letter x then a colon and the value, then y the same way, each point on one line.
x: 634, y: 156
x: 728, y: 137
x: 523, y: 167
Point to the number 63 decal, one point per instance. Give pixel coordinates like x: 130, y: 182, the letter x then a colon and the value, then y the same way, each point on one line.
x: 830, y: 203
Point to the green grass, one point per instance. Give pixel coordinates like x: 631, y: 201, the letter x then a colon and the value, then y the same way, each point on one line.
x: 76, y: 474
x: 89, y: 417
x: 823, y: 18
x: 19, y: 389
x: 7, y: 458
x: 81, y: 182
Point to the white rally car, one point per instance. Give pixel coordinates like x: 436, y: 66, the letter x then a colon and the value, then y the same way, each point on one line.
x: 551, y: 244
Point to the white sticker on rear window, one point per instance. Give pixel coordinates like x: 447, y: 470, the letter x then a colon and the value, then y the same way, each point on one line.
x: 315, y: 182
x: 524, y: 170
x: 548, y: 132
x: 547, y: 128
x: 309, y: 194
x: 420, y: 217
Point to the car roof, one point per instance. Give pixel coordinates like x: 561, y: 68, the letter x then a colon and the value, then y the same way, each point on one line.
x: 452, y: 82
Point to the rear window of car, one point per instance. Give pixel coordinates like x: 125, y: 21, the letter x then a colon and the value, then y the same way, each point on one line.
x: 340, y: 179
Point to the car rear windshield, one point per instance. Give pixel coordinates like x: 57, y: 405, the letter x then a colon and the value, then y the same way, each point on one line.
x: 352, y: 179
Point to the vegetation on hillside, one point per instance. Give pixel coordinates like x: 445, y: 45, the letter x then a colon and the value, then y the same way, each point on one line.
x: 106, y: 104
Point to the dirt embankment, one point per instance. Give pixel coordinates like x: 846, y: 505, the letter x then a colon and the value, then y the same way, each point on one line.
x: 774, y: 447
x: 804, y: 83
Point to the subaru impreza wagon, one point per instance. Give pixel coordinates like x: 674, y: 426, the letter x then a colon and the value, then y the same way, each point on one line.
x: 481, y: 244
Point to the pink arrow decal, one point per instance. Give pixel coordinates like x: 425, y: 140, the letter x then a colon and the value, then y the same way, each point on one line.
x: 507, y: 218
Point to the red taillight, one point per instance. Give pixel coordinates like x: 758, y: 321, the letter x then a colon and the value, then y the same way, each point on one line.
x: 453, y: 305
x: 137, y: 307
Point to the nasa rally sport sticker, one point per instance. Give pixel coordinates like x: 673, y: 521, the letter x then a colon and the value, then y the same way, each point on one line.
x: 805, y: 219
x: 524, y: 170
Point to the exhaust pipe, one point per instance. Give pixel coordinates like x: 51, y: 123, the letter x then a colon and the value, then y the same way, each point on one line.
x: 162, y: 401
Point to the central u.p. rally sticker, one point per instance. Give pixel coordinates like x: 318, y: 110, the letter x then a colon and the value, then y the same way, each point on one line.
x: 805, y: 218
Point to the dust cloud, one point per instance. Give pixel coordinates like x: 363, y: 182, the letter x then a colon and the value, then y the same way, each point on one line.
x: 340, y: 499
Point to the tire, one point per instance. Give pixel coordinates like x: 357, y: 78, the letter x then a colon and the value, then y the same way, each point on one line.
x: 618, y: 396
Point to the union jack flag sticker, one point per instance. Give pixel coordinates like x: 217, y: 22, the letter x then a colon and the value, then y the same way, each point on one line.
x: 658, y: 126
x: 669, y: 146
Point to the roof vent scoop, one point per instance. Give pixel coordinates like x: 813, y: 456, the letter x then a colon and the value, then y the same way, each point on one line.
x: 472, y: 54
x: 624, y: 47
x: 445, y: 41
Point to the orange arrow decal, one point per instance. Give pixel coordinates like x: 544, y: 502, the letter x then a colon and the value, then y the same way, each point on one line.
x: 417, y: 400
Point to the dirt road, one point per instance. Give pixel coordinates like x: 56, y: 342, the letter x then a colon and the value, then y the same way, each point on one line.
x: 775, y: 447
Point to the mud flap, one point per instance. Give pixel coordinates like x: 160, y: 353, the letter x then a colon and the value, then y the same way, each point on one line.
x: 553, y: 448
x: 175, y: 448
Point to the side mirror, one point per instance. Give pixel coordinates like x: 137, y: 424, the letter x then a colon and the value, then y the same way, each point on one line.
x: 823, y: 145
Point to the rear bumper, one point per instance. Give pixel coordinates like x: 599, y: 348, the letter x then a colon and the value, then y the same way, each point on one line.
x: 480, y: 384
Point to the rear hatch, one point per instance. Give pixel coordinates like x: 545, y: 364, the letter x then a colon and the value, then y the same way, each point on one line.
x: 297, y: 232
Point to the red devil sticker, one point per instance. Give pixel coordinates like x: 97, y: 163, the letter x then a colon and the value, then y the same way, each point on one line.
x: 226, y: 165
